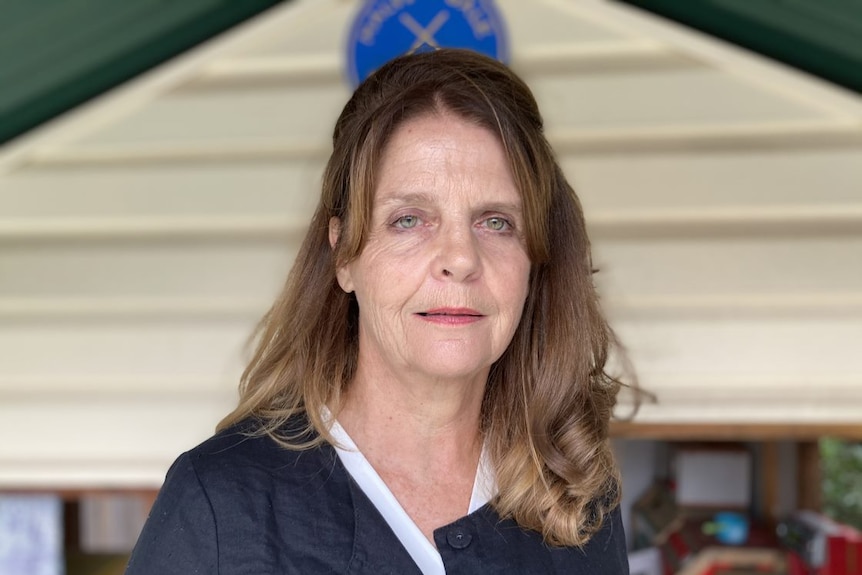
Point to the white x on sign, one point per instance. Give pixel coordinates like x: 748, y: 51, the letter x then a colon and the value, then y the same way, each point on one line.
x: 424, y: 35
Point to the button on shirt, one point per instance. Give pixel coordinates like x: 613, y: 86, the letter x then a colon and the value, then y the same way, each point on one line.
x: 458, y: 538
x: 243, y: 505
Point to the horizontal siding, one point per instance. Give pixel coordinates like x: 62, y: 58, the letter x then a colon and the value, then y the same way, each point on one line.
x: 142, y: 240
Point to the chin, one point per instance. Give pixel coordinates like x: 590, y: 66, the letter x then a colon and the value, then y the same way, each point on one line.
x: 453, y: 366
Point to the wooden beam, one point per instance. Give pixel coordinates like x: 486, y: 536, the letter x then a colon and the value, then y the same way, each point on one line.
x: 729, y: 221
x: 147, y: 494
x: 772, y: 135
x: 634, y: 306
x: 783, y: 221
x: 698, y: 305
x: 132, y: 307
x: 149, y: 228
x: 170, y: 153
x: 597, y: 57
x: 734, y: 432
x: 777, y: 135
x: 129, y: 385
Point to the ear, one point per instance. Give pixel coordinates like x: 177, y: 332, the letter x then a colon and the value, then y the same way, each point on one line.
x: 342, y: 273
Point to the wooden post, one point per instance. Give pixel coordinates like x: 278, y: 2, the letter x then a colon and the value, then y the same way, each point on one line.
x: 770, y: 481
x: 810, y: 486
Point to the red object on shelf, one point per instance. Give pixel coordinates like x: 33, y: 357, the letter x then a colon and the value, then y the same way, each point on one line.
x: 836, y: 555
x: 851, y: 557
x: 822, y: 546
x: 795, y: 565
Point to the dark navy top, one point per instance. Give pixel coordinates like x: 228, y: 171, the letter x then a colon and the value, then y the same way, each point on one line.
x: 240, y: 505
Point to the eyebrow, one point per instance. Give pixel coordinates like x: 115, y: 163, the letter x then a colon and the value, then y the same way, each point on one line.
x: 505, y: 207
x: 406, y: 198
x: 421, y: 198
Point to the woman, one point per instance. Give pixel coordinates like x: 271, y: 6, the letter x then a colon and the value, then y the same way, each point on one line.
x: 428, y: 392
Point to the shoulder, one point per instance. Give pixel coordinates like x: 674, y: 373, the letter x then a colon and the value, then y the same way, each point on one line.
x: 239, y: 444
x: 606, y: 550
x: 243, y: 453
x: 240, y: 502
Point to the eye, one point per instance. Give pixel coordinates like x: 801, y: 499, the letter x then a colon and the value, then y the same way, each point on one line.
x: 407, y: 222
x: 497, y: 224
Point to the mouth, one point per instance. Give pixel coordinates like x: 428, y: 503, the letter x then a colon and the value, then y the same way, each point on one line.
x: 451, y: 316
x: 451, y: 312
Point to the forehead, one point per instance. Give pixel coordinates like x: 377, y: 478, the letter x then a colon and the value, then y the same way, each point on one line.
x: 443, y: 156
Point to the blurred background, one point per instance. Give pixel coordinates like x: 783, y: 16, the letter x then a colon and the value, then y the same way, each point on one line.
x: 159, y: 162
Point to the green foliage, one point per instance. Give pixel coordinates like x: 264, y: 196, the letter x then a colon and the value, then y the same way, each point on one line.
x: 842, y: 480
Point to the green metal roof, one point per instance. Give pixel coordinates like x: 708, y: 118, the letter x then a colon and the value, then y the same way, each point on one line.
x: 55, y: 54
x: 822, y: 37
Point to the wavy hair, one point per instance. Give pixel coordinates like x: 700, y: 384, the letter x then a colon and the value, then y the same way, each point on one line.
x: 548, y: 401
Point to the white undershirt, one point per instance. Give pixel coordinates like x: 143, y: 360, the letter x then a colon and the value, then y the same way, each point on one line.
x: 423, y: 552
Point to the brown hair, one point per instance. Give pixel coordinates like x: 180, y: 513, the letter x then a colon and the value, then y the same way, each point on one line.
x: 548, y: 401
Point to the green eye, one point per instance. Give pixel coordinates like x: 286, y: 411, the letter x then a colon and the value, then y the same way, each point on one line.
x: 497, y: 224
x: 407, y: 222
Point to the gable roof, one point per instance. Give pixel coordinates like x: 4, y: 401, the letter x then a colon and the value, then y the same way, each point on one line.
x: 56, y: 55
x: 823, y: 38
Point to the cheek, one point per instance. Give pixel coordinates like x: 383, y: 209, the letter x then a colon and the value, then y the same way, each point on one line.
x: 513, y: 269
x: 510, y: 286
x: 383, y: 284
x: 389, y: 262
x: 517, y: 304
x: 519, y: 287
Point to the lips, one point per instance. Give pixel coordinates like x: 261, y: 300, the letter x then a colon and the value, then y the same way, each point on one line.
x: 451, y: 316
x: 452, y: 311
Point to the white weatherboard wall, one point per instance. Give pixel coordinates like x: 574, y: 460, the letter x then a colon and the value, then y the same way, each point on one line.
x: 142, y: 236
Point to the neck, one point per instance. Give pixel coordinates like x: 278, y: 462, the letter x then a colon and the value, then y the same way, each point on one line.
x: 424, y: 424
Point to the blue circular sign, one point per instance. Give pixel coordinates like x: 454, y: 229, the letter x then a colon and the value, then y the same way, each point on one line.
x: 386, y: 29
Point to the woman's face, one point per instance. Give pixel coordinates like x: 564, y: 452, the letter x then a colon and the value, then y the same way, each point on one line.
x: 443, y: 276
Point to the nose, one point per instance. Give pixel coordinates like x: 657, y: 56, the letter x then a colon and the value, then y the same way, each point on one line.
x: 457, y: 255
